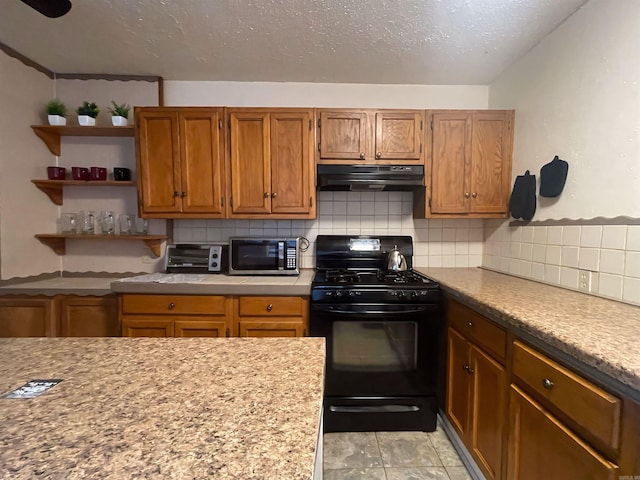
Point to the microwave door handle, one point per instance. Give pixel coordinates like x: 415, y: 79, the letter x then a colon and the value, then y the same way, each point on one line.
x: 281, y: 260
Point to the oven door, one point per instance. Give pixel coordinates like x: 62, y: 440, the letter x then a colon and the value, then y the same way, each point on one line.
x: 376, y: 350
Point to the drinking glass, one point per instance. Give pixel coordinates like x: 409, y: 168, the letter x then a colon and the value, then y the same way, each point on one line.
x: 87, y: 222
x: 107, y: 222
x: 125, y: 224
x: 69, y: 223
x: 141, y: 225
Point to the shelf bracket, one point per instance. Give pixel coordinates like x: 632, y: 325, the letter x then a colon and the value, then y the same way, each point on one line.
x: 57, y: 244
x: 154, y: 245
x: 52, y: 190
x: 50, y: 138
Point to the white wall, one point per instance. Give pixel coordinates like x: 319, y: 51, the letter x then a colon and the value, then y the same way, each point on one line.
x: 330, y: 95
x: 24, y: 210
x: 577, y: 95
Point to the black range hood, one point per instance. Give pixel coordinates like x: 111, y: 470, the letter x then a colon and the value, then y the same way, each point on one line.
x: 370, y: 177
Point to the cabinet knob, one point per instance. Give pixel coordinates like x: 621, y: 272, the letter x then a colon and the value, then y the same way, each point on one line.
x: 176, y: 194
x: 184, y: 194
x: 470, y: 324
x: 548, y: 384
x: 274, y: 195
x: 465, y: 367
x: 378, y: 155
x: 171, y: 306
x: 466, y: 194
x: 362, y: 155
x: 470, y: 371
x: 269, y: 307
x: 266, y: 194
x: 474, y: 194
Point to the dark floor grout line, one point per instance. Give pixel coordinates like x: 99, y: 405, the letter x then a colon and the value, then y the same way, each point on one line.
x: 380, y: 452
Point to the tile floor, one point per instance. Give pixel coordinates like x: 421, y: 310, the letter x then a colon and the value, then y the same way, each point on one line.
x: 391, y: 456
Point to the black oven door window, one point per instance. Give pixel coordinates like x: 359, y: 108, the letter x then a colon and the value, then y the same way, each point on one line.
x: 369, y: 347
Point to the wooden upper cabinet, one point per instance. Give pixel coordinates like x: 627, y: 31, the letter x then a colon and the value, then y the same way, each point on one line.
x: 157, y: 147
x: 371, y: 136
x: 291, y: 162
x: 202, y: 161
x: 250, y: 162
x: 180, y: 161
x: 271, y: 163
x: 344, y: 134
x: 469, y: 163
x: 399, y: 135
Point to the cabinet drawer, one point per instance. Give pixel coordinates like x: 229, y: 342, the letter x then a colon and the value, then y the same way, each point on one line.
x: 478, y: 329
x: 173, y: 304
x: 592, y: 409
x: 272, y: 306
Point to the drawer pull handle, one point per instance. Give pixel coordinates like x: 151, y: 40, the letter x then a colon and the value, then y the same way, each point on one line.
x: 548, y: 384
x: 171, y: 306
x: 269, y: 307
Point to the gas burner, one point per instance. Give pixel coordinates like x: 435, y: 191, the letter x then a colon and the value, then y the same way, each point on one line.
x: 341, y: 276
x: 404, y: 276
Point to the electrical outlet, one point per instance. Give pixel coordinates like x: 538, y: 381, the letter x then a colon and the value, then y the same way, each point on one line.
x: 146, y: 259
x: 584, y: 280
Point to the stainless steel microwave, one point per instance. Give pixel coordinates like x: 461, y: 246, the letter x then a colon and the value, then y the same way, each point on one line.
x: 264, y: 256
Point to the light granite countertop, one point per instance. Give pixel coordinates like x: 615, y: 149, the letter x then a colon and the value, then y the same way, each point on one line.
x: 602, y: 334
x: 174, y: 408
x: 220, y: 284
x: 61, y: 286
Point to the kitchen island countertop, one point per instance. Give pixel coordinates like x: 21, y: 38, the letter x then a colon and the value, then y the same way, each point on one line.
x: 235, y: 408
x: 602, y: 334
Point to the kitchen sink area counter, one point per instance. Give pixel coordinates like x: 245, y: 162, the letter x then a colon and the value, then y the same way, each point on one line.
x: 601, y: 334
x: 83, y: 285
x: 236, y: 408
x: 216, y: 284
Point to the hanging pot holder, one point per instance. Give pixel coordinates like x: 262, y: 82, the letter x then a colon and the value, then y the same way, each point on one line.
x: 553, y: 176
x: 523, y: 197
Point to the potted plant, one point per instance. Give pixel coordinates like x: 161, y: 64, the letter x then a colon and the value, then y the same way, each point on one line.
x: 119, y: 114
x: 87, y: 113
x: 56, y: 112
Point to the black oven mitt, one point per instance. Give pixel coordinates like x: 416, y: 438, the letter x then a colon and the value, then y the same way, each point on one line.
x: 553, y: 176
x: 522, y: 203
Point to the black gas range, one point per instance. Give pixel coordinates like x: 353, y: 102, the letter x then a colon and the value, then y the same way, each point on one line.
x: 382, y: 329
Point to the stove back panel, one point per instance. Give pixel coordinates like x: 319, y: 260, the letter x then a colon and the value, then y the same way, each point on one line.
x: 335, y: 251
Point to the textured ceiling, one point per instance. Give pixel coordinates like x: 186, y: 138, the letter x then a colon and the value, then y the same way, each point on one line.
x: 455, y: 42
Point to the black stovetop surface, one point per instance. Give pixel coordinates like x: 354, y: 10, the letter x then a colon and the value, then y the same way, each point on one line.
x: 372, y: 278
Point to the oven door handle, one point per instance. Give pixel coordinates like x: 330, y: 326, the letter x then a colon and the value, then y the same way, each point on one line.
x: 370, y: 311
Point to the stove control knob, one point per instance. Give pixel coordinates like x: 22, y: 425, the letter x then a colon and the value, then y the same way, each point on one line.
x: 401, y: 294
x: 350, y: 293
x: 328, y: 294
x: 338, y: 294
x: 414, y: 294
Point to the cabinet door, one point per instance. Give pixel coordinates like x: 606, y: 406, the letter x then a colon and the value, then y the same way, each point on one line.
x: 201, y: 157
x: 458, y: 403
x: 542, y: 447
x: 89, y: 316
x: 27, y: 317
x: 344, y: 135
x: 201, y: 327
x: 451, y: 153
x: 147, y: 327
x: 272, y: 328
x: 291, y: 162
x: 491, y: 162
x: 159, y: 182
x: 399, y: 136
x: 250, y: 168
x: 488, y: 416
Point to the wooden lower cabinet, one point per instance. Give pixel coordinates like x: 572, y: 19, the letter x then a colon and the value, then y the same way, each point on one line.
x: 540, y: 446
x: 475, y: 403
x: 59, y: 316
x: 268, y: 316
x: 28, y: 316
x: 213, y: 316
x: 89, y: 316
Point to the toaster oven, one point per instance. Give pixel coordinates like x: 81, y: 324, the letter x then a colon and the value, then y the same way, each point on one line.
x: 193, y: 258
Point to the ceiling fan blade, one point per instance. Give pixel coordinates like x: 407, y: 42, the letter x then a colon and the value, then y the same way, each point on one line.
x: 50, y: 8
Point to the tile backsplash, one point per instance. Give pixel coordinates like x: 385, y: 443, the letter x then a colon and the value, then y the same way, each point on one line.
x: 436, y: 243
x: 608, y: 255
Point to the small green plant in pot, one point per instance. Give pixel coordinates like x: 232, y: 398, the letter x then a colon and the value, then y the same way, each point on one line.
x: 56, y: 112
x: 87, y: 113
x: 119, y: 114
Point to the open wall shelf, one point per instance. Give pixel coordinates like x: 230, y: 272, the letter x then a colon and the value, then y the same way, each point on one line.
x: 54, y: 188
x: 50, y: 134
x: 58, y: 241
